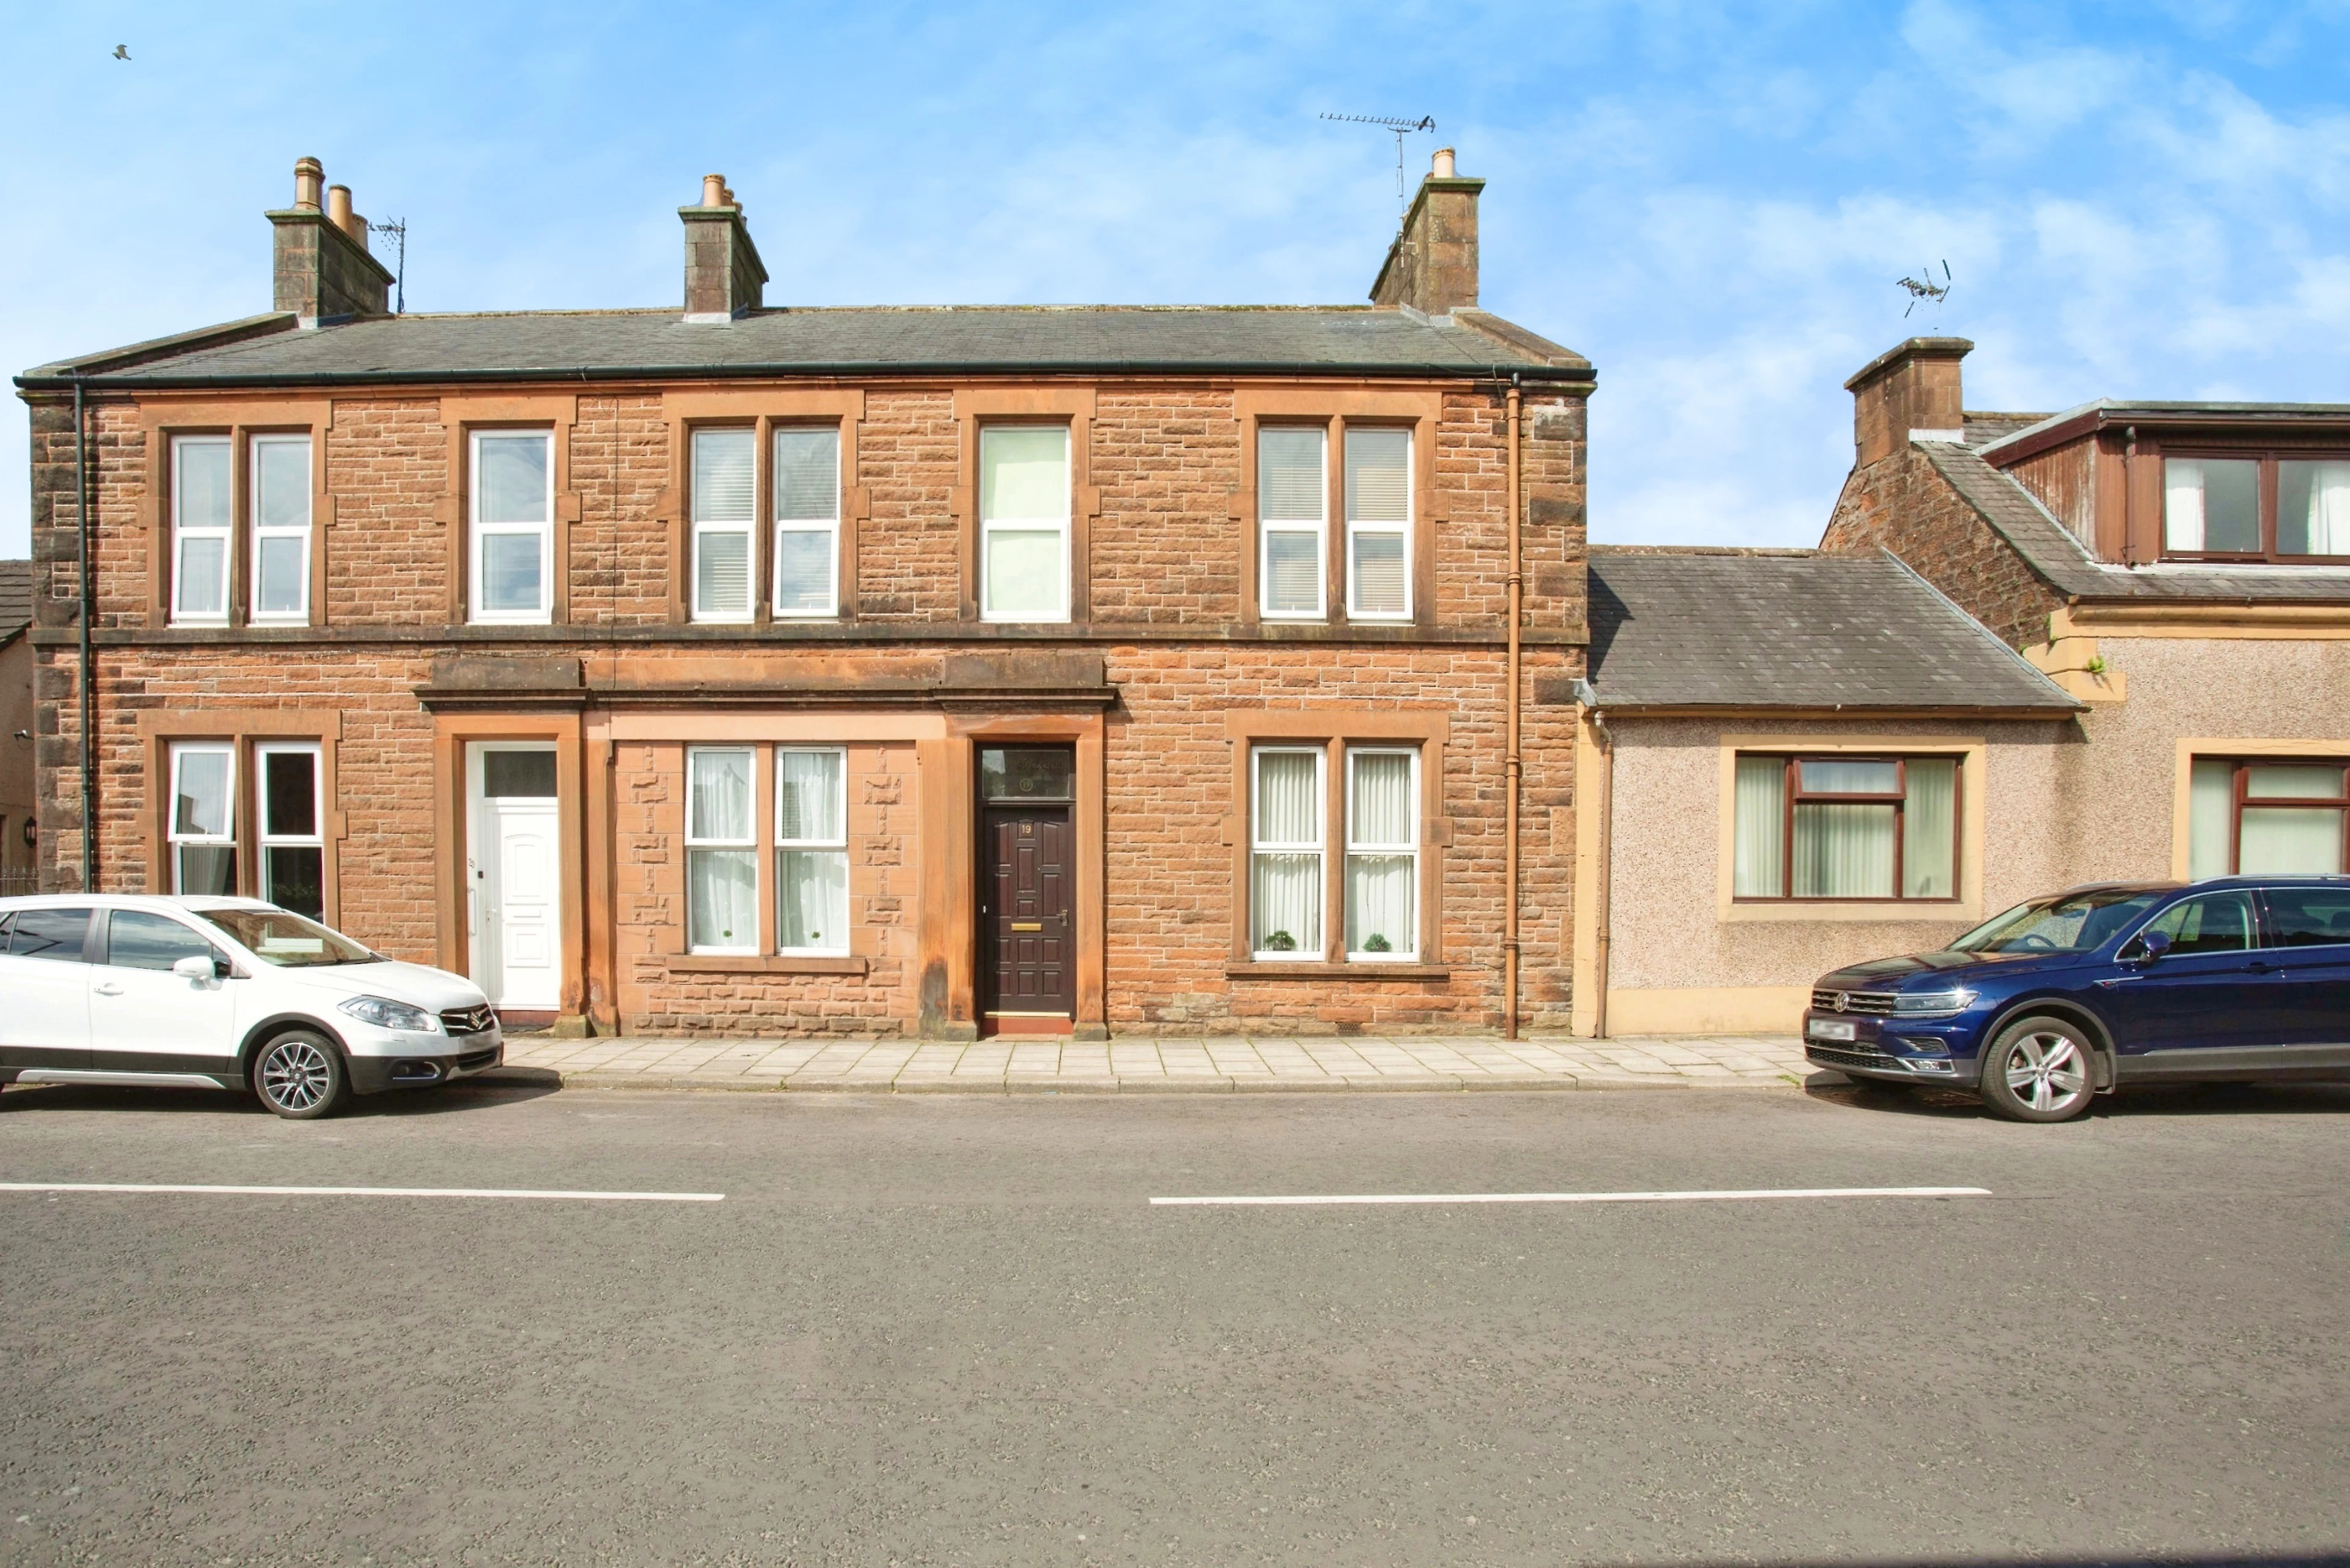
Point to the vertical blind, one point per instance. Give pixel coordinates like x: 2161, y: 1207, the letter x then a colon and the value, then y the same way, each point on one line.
x: 1845, y: 849
x: 2283, y: 839
x: 1286, y: 873
x: 1382, y: 862
x: 1759, y: 807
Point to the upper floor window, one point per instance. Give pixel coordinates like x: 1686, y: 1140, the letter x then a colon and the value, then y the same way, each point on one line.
x: 513, y: 525
x: 2267, y: 816
x: 1845, y: 827
x: 726, y: 502
x: 202, y: 522
x: 1292, y: 489
x: 808, y: 521
x: 2256, y: 507
x: 281, y: 529
x: 1378, y: 524
x: 1024, y: 516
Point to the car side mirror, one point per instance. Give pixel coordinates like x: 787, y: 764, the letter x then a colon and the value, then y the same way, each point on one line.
x: 2147, y: 947
x: 194, y: 968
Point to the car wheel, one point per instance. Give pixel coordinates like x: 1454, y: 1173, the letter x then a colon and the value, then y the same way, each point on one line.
x: 2038, y: 1071
x: 300, y: 1076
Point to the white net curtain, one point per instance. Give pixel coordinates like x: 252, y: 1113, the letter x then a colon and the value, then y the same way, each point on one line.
x: 722, y: 871
x: 1285, y: 874
x: 1382, y: 862
x: 812, y: 853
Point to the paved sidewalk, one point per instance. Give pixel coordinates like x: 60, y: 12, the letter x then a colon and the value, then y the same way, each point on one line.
x: 1136, y: 1064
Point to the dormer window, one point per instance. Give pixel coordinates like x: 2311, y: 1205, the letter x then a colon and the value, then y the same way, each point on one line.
x: 2256, y: 507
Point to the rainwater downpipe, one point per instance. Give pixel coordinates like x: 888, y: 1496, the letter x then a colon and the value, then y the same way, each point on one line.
x: 89, y: 598
x: 1513, y: 762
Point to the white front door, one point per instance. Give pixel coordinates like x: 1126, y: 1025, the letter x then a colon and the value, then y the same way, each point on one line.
x: 514, y: 878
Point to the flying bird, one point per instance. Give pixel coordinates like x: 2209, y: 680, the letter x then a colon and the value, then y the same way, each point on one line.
x: 121, y: 51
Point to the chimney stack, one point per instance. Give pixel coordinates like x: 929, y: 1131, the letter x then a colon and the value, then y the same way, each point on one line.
x: 1911, y: 391
x: 320, y: 269
x: 723, y: 275
x: 1432, y: 266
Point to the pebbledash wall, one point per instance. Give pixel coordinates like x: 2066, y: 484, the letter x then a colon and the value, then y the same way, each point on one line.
x: 1156, y: 684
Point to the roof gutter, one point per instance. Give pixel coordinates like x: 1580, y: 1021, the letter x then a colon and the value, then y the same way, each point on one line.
x: 842, y: 369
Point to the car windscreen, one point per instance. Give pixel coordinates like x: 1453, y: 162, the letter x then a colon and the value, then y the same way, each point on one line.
x: 287, y: 939
x: 2069, y: 923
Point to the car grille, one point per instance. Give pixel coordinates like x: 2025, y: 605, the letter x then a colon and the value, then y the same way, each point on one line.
x: 473, y: 1059
x: 469, y: 1020
x: 1829, y: 1056
x: 1871, y: 1003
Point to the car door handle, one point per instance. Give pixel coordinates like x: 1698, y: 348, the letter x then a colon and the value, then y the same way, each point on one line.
x: 110, y: 988
x: 2258, y: 967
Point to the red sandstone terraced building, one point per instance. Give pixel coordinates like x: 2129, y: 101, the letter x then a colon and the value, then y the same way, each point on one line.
x: 927, y: 671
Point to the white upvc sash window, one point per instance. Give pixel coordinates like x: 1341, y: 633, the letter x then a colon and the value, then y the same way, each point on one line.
x: 281, y: 529
x: 514, y: 526
x: 721, y: 851
x: 1285, y: 852
x: 1293, y: 494
x: 202, y: 484
x: 202, y: 825
x: 293, y: 847
x: 1024, y: 514
x: 726, y: 511
x: 1379, y: 525
x: 808, y: 521
x: 812, y: 850
x: 1382, y: 853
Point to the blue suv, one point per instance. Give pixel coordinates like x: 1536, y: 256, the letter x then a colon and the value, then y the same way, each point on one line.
x: 2067, y: 997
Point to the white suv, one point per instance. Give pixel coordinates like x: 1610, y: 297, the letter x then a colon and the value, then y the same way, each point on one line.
x: 228, y: 993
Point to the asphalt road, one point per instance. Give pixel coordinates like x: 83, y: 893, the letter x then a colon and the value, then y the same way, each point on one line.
x: 949, y: 1330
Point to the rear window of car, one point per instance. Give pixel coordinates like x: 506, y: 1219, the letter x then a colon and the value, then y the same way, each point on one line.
x: 48, y: 934
x: 2309, y: 917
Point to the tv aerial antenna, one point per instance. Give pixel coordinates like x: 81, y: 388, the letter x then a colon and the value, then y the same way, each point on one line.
x: 1401, y: 127
x: 398, y: 229
x: 1923, y: 288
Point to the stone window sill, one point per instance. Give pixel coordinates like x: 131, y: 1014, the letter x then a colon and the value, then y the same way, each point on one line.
x: 1337, y: 972
x: 771, y: 963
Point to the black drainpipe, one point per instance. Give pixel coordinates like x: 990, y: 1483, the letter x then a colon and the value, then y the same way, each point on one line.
x: 89, y: 602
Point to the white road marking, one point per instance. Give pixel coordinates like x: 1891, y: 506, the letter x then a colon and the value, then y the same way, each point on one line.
x: 1729, y: 1195
x: 362, y: 1191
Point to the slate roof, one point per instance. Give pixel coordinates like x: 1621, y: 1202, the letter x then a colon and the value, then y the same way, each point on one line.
x: 1794, y: 629
x: 15, y: 598
x: 2052, y: 551
x: 1336, y: 340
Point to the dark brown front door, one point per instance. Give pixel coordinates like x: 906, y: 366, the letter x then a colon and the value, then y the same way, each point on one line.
x: 1027, y: 961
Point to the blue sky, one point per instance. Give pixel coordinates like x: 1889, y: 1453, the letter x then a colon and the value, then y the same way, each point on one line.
x: 1712, y: 201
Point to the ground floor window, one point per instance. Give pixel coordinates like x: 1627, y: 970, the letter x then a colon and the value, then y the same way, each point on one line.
x: 293, y: 850
x: 2266, y: 816
x: 1290, y: 852
x: 721, y: 857
x: 1846, y: 827
x: 280, y: 852
x: 812, y: 850
x: 203, y: 819
x: 807, y: 847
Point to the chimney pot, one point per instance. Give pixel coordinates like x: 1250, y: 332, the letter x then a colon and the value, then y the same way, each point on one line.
x: 1443, y: 166
x: 713, y: 189
x: 338, y: 207
x: 320, y: 266
x: 308, y: 176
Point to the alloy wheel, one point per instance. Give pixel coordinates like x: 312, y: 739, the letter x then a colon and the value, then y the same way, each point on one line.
x: 2046, y: 1072
x: 296, y: 1075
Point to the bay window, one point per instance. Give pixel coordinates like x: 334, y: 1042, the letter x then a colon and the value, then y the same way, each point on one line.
x: 512, y: 510
x: 293, y: 847
x: 1285, y: 852
x: 811, y: 850
x: 281, y: 529
x: 2267, y: 816
x: 1378, y: 524
x: 725, y: 514
x: 721, y: 858
x: 1292, y: 490
x: 2256, y: 507
x: 1024, y: 514
x: 202, y: 482
x: 202, y: 831
x: 1845, y: 827
x: 1382, y: 853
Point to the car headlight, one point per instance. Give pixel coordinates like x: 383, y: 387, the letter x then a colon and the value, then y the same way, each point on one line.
x: 386, y: 1013
x: 1931, y: 1003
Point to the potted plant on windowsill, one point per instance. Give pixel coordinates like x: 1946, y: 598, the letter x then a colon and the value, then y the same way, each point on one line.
x: 1280, y: 942
x: 1376, y: 944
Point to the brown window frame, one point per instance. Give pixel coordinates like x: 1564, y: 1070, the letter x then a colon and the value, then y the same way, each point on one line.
x: 2265, y: 489
x: 2240, y: 798
x: 1793, y: 794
